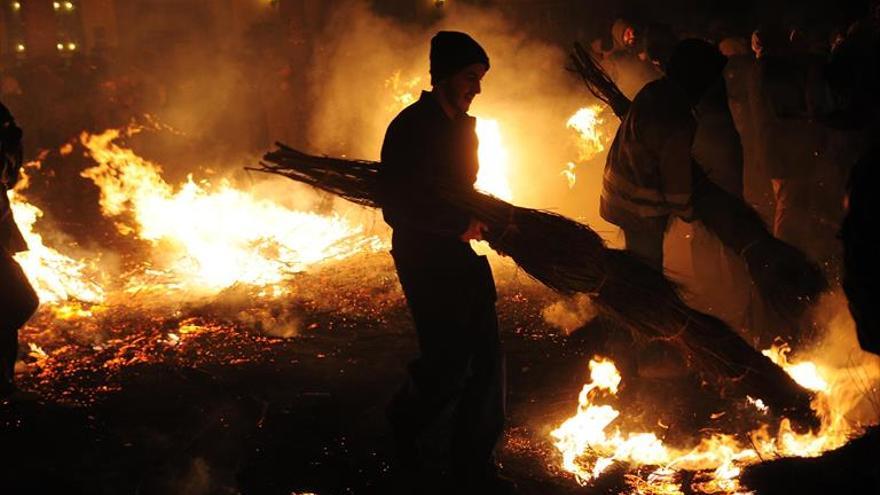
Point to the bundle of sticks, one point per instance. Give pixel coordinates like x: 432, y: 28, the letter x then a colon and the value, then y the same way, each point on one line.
x: 570, y: 257
x: 783, y: 275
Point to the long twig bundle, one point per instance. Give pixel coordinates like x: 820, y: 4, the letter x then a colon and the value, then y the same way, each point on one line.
x: 598, y: 81
x: 569, y: 257
x: 783, y: 275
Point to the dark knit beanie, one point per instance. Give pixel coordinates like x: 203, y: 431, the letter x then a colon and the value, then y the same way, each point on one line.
x: 452, y: 51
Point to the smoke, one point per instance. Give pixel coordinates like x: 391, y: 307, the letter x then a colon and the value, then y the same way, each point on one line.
x: 854, y: 373
x: 363, y: 63
x: 570, y: 313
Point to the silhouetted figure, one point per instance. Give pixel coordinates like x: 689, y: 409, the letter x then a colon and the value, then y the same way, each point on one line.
x: 854, y: 73
x: 627, y: 63
x: 18, y: 301
x: 789, y: 141
x: 648, y: 170
x: 449, y: 414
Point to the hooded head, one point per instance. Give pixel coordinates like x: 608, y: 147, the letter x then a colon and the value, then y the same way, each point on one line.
x: 695, y: 65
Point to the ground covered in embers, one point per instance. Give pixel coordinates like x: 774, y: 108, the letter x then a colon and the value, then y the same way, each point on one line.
x: 239, y: 393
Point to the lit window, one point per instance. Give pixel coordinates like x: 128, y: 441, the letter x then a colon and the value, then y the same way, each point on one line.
x: 20, y: 48
x: 56, y: 5
x: 68, y: 5
x: 60, y: 46
x: 16, y: 6
x: 71, y: 46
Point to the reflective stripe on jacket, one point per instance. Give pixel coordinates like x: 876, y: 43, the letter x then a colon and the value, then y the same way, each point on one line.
x: 648, y: 169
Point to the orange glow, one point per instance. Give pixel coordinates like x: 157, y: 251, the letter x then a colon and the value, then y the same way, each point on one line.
x: 208, y: 237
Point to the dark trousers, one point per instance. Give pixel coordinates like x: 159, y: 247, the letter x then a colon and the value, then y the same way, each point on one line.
x: 449, y: 414
x: 18, y: 301
x: 644, y: 238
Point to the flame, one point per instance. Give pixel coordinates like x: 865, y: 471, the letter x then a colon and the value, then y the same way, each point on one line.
x: 208, y: 237
x: 492, y: 177
x: 37, y: 353
x: 587, y: 123
x: 806, y: 374
x: 585, y: 432
x: 54, y: 276
x: 589, y: 442
x: 569, y: 174
x: 403, y: 91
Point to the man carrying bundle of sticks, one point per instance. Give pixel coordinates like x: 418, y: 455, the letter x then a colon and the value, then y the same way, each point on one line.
x: 648, y: 173
x: 449, y: 414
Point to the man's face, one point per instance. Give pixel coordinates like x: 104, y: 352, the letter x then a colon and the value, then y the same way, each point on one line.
x: 461, y: 88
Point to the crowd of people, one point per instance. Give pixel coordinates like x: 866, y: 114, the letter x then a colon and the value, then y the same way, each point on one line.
x: 783, y: 131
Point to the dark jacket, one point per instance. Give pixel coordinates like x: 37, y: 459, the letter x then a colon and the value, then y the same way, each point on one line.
x: 648, y: 169
x: 11, y: 240
x: 426, y: 151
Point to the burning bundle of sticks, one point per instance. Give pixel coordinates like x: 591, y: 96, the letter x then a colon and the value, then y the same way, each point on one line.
x: 570, y: 257
x: 783, y: 276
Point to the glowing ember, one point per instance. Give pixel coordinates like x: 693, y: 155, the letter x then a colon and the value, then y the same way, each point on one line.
x: 569, y: 174
x: 211, y: 237
x: 587, y: 123
x: 37, y: 353
x: 492, y: 177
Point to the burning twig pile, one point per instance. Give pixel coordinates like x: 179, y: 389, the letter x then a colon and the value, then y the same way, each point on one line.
x: 576, y: 260
x: 783, y: 275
